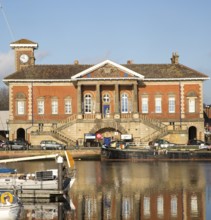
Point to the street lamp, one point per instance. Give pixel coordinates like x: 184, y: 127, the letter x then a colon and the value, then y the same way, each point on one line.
x: 7, y: 133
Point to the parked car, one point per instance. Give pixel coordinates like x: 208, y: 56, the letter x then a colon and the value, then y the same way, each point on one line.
x: 205, y: 147
x: 2, y: 143
x: 201, y: 144
x: 15, y: 145
x: 163, y: 143
x: 196, y: 142
x: 49, y: 144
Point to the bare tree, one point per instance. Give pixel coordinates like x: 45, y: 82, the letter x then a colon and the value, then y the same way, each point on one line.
x: 4, y: 98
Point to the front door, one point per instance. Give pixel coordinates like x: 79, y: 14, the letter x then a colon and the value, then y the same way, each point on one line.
x: 107, y: 141
x: 106, y: 110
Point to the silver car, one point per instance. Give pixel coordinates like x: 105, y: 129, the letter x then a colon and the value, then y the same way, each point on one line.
x: 15, y: 145
x: 49, y: 144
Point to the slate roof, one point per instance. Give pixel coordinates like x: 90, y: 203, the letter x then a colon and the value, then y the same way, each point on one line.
x: 149, y: 71
x: 23, y: 41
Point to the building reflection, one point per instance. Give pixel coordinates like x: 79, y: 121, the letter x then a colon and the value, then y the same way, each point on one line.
x: 121, y: 190
x: 171, y: 194
x: 183, y: 204
x: 165, y: 205
x: 46, y: 211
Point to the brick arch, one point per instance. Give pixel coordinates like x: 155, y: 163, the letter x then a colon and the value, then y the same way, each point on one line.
x: 108, y: 125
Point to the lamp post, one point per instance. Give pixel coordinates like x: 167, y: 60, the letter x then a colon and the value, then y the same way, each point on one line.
x: 7, y: 133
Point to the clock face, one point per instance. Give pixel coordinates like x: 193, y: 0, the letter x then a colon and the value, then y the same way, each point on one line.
x: 24, y: 58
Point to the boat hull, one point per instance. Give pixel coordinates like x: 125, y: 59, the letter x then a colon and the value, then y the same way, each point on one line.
x: 11, y: 208
x: 144, y: 155
x: 9, y: 183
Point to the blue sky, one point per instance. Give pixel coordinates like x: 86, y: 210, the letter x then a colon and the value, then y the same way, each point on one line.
x: 92, y: 31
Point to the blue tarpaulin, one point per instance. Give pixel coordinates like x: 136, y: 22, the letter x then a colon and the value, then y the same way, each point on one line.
x: 6, y: 170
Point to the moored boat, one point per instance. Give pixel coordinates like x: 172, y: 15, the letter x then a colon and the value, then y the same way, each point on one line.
x: 43, y: 179
x: 123, y: 153
x: 47, y: 179
x: 10, y: 206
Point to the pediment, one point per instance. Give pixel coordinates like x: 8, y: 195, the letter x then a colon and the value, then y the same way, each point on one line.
x: 107, y: 70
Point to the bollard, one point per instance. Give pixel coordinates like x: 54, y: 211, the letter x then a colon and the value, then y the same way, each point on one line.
x: 60, y: 161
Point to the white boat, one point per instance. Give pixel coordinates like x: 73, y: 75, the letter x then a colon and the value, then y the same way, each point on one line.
x: 47, y: 179
x: 10, y: 206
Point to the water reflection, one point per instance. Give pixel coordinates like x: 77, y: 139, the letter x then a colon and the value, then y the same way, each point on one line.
x: 147, y: 191
x: 125, y: 190
x: 47, y: 211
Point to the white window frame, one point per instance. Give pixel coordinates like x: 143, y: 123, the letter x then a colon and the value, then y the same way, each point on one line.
x: 106, y: 98
x: 160, y: 206
x: 158, y: 104
x: 21, y: 107
x: 146, y: 204
x: 124, y: 103
x: 174, y: 207
x: 54, y: 106
x: 194, y: 205
x: 88, y: 104
x: 191, y: 105
x: 68, y: 106
x: 145, y: 105
x: 171, y: 104
x: 41, y: 107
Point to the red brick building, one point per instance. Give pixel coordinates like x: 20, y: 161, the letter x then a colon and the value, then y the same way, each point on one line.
x: 77, y: 102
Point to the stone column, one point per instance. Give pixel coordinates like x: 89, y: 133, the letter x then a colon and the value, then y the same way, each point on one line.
x: 135, y: 98
x: 79, y: 109
x: 97, y: 108
x: 116, y: 104
x: 135, y: 101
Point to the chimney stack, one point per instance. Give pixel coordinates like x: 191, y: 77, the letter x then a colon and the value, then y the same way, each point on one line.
x: 76, y: 62
x: 175, y: 58
x: 129, y: 62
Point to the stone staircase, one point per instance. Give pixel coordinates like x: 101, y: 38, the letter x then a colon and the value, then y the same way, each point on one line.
x: 160, y: 129
x: 58, y: 134
x: 66, y: 122
x: 62, y: 137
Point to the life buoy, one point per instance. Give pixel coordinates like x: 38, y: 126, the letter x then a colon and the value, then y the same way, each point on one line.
x: 4, y: 195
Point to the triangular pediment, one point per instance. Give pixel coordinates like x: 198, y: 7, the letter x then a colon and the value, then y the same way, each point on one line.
x: 107, y: 70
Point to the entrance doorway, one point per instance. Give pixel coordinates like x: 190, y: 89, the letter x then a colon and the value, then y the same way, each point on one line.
x: 21, y: 134
x: 106, y: 110
x: 107, y: 141
x: 192, y: 133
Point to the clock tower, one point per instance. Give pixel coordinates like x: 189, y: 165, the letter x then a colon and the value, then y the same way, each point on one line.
x: 24, y: 53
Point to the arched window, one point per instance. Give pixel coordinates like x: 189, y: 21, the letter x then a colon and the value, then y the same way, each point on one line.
x: 124, y: 103
x: 106, y: 98
x: 87, y: 103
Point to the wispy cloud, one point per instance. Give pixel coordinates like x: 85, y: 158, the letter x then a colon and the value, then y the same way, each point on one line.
x: 41, y: 55
x: 7, y: 64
